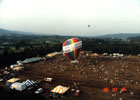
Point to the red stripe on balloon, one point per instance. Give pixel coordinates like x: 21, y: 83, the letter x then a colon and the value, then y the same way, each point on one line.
x: 64, y: 44
x: 66, y: 54
x: 75, y: 40
x: 75, y: 55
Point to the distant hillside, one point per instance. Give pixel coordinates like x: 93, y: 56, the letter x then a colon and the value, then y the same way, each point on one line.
x: 4, y: 32
x: 119, y: 35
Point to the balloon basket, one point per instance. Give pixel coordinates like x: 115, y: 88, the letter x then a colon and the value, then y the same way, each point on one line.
x: 75, y: 62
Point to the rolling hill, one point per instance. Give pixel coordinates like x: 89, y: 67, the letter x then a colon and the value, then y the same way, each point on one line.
x: 4, y: 32
x: 119, y: 35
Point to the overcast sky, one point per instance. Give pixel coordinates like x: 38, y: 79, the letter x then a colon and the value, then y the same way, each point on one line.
x: 71, y: 17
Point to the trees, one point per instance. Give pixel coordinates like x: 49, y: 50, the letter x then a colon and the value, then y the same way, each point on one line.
x: 111, y: 46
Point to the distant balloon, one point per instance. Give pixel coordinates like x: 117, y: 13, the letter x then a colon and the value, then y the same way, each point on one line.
x: 88, y: 25
x: 71, y: 48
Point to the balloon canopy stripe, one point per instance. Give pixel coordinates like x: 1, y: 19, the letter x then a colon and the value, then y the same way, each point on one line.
x: 67, y: 43
x: 69, y: 55
x: 64, y: 44
x: 66, y: 54
x: 74, y: 52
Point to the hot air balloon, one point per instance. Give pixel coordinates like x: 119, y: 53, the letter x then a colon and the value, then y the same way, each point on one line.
x: 71, y: 48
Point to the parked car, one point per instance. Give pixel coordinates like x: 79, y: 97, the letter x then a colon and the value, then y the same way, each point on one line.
x: 77, y: 93
x: 1, y: 79
x: 39, y: 90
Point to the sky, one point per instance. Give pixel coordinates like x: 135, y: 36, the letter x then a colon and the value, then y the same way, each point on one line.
x: 71, y: 17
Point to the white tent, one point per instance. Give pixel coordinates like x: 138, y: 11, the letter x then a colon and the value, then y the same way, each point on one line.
x: 60, y: 89
x: 29, y: 82
x: 18, y: 86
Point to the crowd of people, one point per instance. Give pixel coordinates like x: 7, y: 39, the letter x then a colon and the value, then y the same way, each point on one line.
x: 105, y: 71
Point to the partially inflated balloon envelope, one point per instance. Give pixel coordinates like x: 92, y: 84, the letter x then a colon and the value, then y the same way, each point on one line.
x: 71, y: 48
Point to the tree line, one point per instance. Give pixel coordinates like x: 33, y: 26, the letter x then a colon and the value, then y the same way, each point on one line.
x: 111, y: 46
x: 89, y: 44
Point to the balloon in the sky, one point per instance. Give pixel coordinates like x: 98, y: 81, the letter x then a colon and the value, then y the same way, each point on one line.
x: 89, y: 25
x: 71, y: 48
